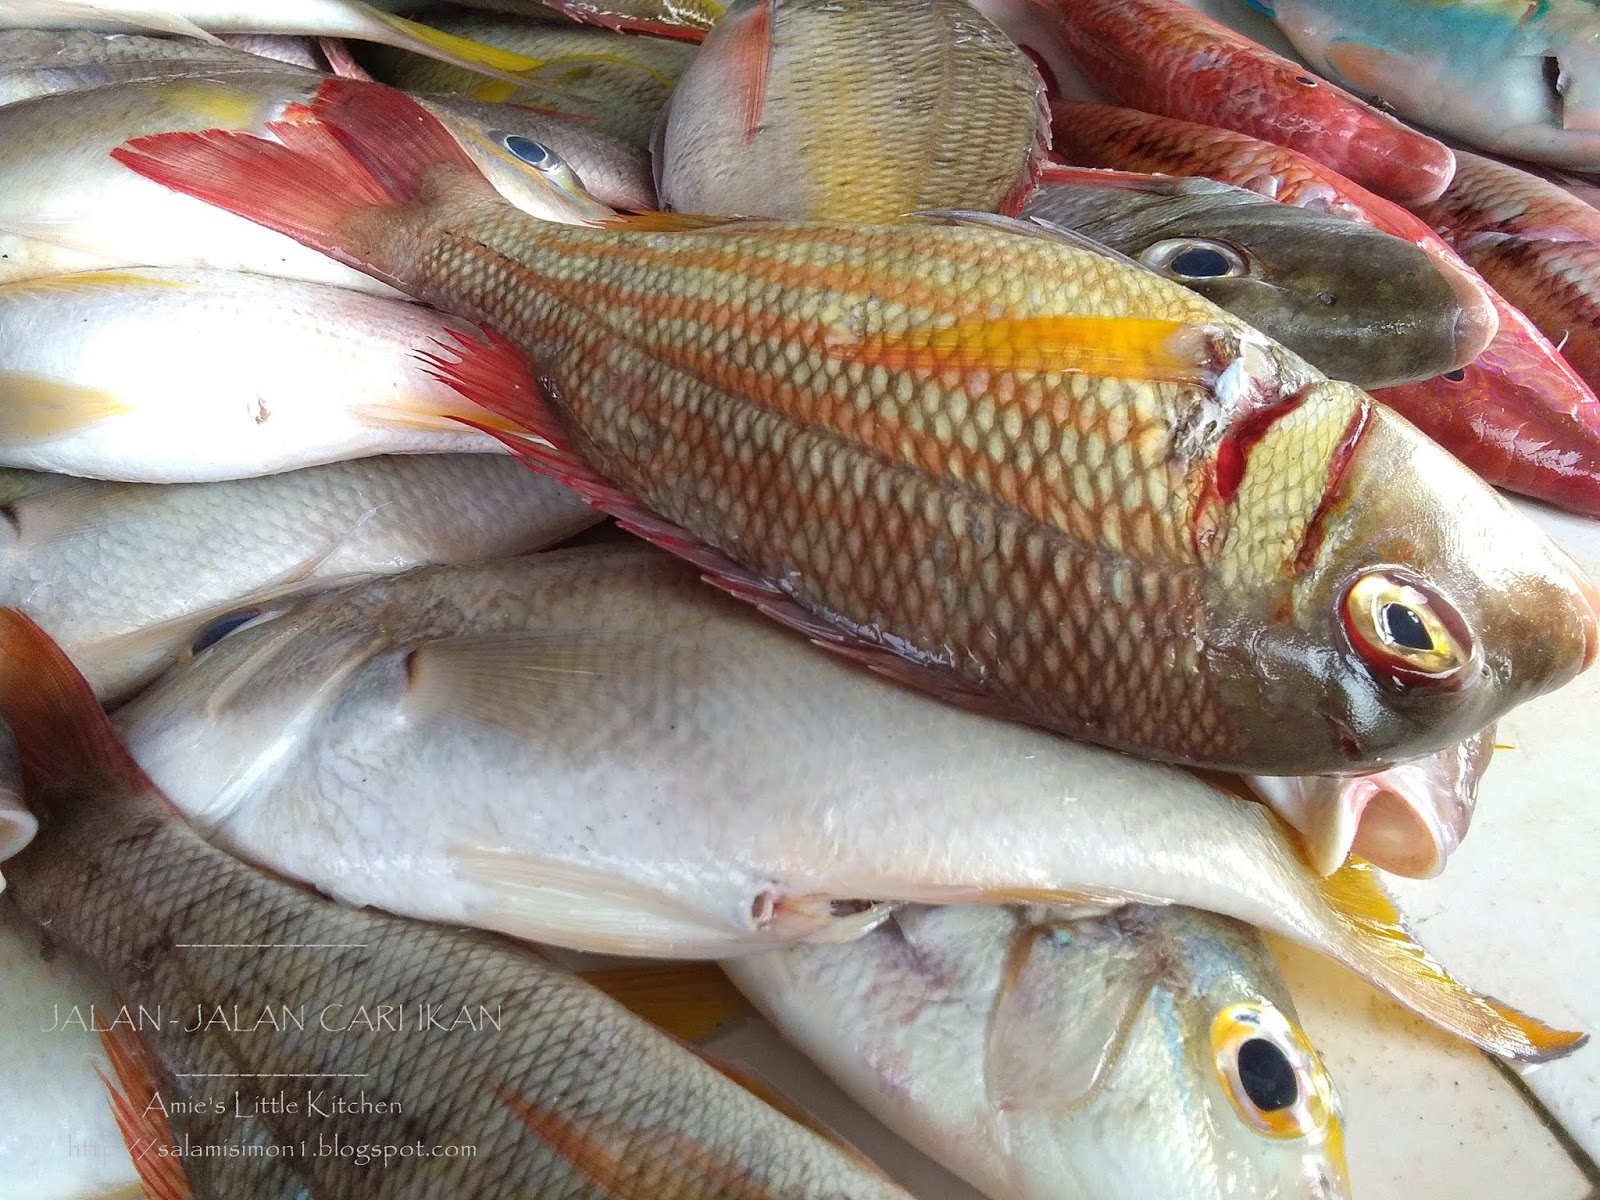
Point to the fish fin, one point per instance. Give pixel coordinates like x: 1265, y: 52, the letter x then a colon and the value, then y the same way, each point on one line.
x: 72, y: 508
x: 36, y: 409
x: 504, y: 65
x: 669, y: 222
x: 749, y: 61
x: 587, y: 13
x: 93, y: 281
x: 157, y: 18
x: 358, y: 147
x: 62, y: 732
x: 689, y: 1000
x: 1380, y: 948
x: 1035, y: 1059
x: 513, y: 681
x: 141, y: 1121
x: 1365, y: 68
x: 340, y: 61
x: 1031, y: 227
x: 588, y: 908
x: 1106, y: 179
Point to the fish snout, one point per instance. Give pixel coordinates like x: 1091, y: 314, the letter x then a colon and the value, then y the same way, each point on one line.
x: 1477, y: 323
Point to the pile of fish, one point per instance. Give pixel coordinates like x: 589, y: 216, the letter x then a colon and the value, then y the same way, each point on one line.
x: 1048, y: 449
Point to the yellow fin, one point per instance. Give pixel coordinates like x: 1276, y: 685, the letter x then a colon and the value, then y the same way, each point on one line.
x: 1112, y: 347
x: 426, y: 416
x: 690, y: 1000
x: 88, y: 281
x: 504, y: 65
x: 1387, y: 955
x: 36, y: 409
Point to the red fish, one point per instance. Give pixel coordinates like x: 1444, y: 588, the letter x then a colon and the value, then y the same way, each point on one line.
x: 1163, y: 57
x: 1519, y: 415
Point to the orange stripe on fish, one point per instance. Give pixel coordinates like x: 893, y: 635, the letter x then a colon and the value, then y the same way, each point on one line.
x: 637, y: 1164
x: 140, y: 1119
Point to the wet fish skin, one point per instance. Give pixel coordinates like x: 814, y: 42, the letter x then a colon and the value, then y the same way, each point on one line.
x: 820, y: 110
x: 687, y: 19
x: 603, y: 673
x: 1519, y: 415
x: 1477, y: 69
x: 125, y: 576
x: 1045, y: 1055
x: 1163, y: 57
x: 1537, y: 244
x: 174, y: 376
x: 1357, y: 303
x: 949, y: 552
x: 616, y: 83
x: 571, y: 1095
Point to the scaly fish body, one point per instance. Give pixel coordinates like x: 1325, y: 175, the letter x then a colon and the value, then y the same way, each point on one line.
x: 560, y: 1091
x: 1163, y: 57
x: 1042, y: 1056
x: 1519, y: 415
x: 1357, y: 303
x: 569, y: 699
x: 195, y: 376
x: 1538, y: 246
x: 1508, y: 76
x: 616, y: 83
x: 864, y: 110
x: 1004, y: 463
x: 687, y: 19
x: 125, y: 576
x: 57, y: 1137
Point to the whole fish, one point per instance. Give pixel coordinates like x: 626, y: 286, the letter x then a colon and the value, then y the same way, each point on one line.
x: 1537, y: 244
x: 1001, y: 464
x: 1356, y: 303
x: 125, y: 577
x: 1504, y: 75
x: 920, y: 106
x: 1518, y: 414
x: 1046, y: 1056
x: 68, y: 206
x: 173, y: 376
x: 204, y: 19
x: 616, y: 83
x: 560, y: 1090
x: 58, y: 1140
x: 568, y: 701
x: 1407, y: 818
x: 1164, y: 57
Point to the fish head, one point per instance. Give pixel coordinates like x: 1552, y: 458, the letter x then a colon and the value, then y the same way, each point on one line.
x: 1415, y: 606
x: 1359, y: 304
x: 1160, y: 1045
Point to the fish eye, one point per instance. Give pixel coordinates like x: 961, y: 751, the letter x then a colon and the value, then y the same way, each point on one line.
x: 536, y: 154
x: 1405, y: 631
x: 214, y: 630
x: 1456, y: 376
x: 1274, y: 1079
x: 1184, y: 259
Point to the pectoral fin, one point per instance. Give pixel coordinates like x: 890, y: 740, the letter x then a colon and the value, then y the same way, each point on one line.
x: 1364, y: 68
x: 35, y: 408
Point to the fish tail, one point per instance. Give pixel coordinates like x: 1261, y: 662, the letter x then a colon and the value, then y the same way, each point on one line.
x: 140, y: 1119
x: 1381, y: 948
x: 361, y: 150
x: 62, y: 733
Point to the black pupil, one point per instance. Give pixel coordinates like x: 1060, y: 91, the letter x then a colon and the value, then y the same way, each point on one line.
x: 220, y: 628
x: 528, y: 150
x: 1200, y: 263
x: 1267, y: 1076
x: 1457, y: 375
x: 1404, y: 628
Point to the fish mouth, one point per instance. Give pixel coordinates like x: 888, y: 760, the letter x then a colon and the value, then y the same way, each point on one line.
x: 17, y: 824
x: 1589, y: 592
x: 1477, y: 323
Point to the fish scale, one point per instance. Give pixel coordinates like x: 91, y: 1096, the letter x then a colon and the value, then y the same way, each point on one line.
x: 707, y: 380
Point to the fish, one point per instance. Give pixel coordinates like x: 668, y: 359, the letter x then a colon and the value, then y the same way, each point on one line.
x: 283, y: 48
x: 1536, y: 243
x: 204, y: 19
x: 1503, y: 75
x: 1518, y: 415
x: 1358, y: 304
x: 1163, y: 57
x: 179, y: 376
x: 58, y: 1140
x: 1041, y: 1054
x: 618, y: 84
x: 68, y: 206
x: 1407, y: 818
x: 686, y: 19
x: 560, y: 1090
x: 919, y: 106
x: 1074, y: 471
x: 128, y: 577
x: 568, y: 700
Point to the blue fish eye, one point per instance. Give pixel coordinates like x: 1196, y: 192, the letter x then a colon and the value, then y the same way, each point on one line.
x: 1201, y: 262
x: 1456, y: 376
x: 529, y: 151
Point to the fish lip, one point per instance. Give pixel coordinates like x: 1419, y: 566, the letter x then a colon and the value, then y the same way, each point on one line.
x: 1478, y: 322
x: 1589, y: 592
